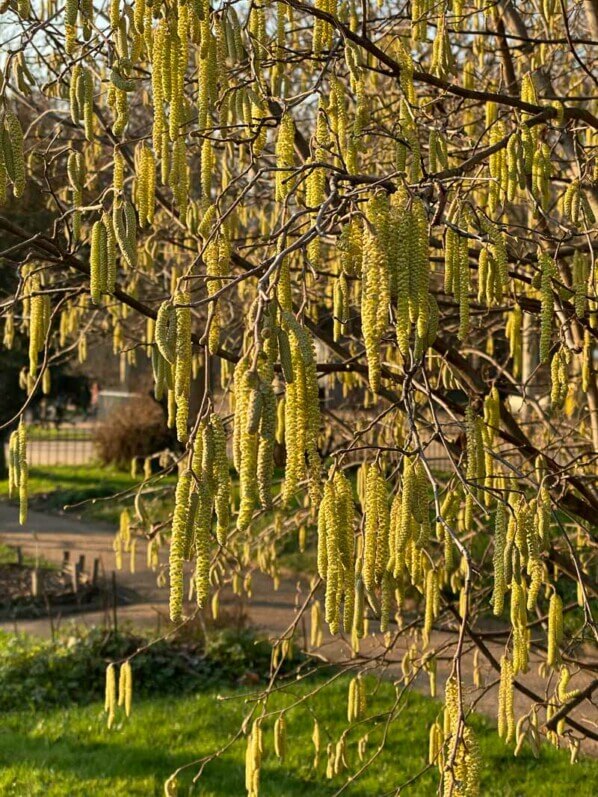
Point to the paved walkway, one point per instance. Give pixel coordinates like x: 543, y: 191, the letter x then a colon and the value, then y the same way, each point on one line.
x: 272, y: 612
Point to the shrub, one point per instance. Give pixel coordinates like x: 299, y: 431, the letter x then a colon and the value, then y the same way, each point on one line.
x: 137, y: 429
x: 36, y: 673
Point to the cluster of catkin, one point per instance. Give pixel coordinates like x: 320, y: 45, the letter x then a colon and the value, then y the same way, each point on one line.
x: 336, y: 551
x: 36, y: 313
x: 395, y: 267
x: 390, y: 555
x: 455, y: 748
x: 18, y: 471
x: 203, y: 491
x: 171, y: 358
x: 121, y: 695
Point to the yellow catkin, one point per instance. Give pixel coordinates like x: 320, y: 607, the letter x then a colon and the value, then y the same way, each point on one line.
x: 253, y: 759
x: 245, y: 444
x: 335, y: 555
x: 177, y: 545
x: 222, y: 479
x: 14, y: 160
x: 285, y: 156
x: 125, y: 687
x: 377, y: 527
x: 375, y: 289
x: 500, y: 584
x: 110, y: 700
x: 506, y: 715
x: 317, y: 742
x: 182, y: 366
x: 316, y: 635
x: 302, y: 413
x: 432, y: 602
x: 435, y: 745
x: 18, y: 469
x: 547, y: 310
x: 203, y: 522
x: 98, y: 262
x: 280, y: 736
x: 563, y: 693
x: 555, y: 629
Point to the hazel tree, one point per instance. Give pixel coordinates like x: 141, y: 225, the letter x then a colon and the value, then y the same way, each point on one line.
x: 356, y: 234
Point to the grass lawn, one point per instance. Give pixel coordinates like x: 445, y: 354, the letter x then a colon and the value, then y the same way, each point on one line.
x: 62, y: 485
x: 65, y: 432
x: 71, y: 752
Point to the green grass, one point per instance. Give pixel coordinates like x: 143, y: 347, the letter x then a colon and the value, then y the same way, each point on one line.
x: 62, y: 433
x: 65, y: 485
x: 71, y: 752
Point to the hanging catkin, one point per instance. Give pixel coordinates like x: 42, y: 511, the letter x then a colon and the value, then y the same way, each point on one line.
x: 547, y: 272
x: 506, y: 715
x: 182, y: 364
x: 177, y: 545
x: 336, y: 551
x: 18, y: 469
x: 376, y: 530
x: 110, y: 701
x: 221, y: 479
x: 285, y: 148
x: 555, y: 629
x: 125, y: 687
x: 302, y: 412
x: 12, y: 156
x: 98, y: 262
x: 375, y: 288
x: 500, y: 536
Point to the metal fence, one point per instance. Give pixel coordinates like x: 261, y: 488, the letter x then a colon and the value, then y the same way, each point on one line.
x: 66, y: 444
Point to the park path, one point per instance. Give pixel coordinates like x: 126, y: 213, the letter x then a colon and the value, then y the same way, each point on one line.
x: 272, y: 612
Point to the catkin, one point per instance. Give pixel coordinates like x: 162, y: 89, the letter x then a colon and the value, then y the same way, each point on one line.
x: 547, y: 310
x: 285, y: 148
x: 13, y: 157
x: 253, y: 759
x: 110, y: 701
x: 432, y: 602
x: 125, y: 687
x: 555, y: 629
x: 18, y: 470
x: 302, y: 412
x: 500, y: 538
x: 376, y: 531
x: 335, y: 554
x: 357, y: 699
x: 375, y: 288
x: 177, y: 545
x: 506, y: 714
x: 182, y: 364
x: 280, y: 736
x: 221, y: 479
x: 98, y: 262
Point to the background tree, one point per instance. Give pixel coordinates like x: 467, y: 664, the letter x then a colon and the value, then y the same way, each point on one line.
x: 373, y: 219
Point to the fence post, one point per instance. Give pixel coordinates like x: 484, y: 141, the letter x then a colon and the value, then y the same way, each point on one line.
x: 114, y: 611
x: 75, y: 577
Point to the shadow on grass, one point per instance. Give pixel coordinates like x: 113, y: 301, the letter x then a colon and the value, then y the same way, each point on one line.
x: 65, y: 761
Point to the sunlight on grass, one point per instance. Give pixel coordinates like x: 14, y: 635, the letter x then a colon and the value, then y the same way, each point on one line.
x: 71, y: 752
x: 70, y: 485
